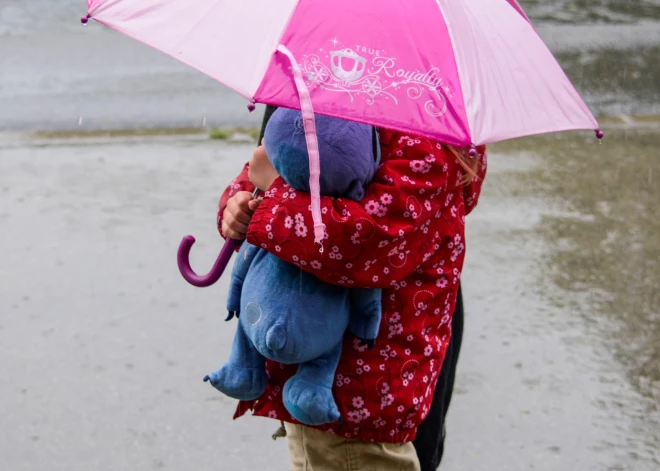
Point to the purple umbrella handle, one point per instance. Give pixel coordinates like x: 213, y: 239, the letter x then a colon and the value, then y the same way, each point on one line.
x: 183, y: 260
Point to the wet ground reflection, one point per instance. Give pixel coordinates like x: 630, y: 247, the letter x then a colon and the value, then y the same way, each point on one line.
x: 605, y: 249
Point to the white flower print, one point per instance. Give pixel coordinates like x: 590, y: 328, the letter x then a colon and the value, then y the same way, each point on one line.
x: 339, y: 380
x: 316, y: 265
x: 385, y: 388
x: 354, y: 416
x: 395, y: 317
x: 428, y: 350
x: 288, y: 222
x: 301, y: 230
x: 300, y: 219
x: 395, y: 329
x: 379, y: 423
x: 386, y: 401
x: 272, y: 414
x: 358, y: 402
x: 417, y: 166
x: 357, y: 345
x: 386, y: 199
x: 372, y: 207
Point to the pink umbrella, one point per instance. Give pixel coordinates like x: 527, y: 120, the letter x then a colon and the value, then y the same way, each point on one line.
x: 464, y: 72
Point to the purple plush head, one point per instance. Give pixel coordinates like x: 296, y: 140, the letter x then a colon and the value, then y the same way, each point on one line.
x: 349, y: 153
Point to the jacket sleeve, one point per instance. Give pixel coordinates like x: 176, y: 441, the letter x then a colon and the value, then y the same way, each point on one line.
x: 240, y: 183
x: 414, y: 201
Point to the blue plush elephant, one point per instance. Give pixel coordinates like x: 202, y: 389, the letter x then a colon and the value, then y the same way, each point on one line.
x: 288, y: 315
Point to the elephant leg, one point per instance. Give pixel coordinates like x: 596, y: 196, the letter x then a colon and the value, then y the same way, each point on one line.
x: 308, y: 394
x: 243, y: 377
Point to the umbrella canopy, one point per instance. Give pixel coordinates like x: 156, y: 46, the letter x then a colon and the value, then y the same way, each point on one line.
x: 463, y: 72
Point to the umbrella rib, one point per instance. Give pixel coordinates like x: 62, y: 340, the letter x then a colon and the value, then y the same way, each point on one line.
x: 458, y: 71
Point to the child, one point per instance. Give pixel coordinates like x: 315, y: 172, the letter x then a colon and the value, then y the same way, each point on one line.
x: 405, y: 236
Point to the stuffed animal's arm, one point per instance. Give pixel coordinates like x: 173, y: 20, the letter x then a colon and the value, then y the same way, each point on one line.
x: 238, y: 274
x: 366, y: 313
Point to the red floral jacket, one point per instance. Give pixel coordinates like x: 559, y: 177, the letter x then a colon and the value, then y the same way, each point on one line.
x: 406, y: 236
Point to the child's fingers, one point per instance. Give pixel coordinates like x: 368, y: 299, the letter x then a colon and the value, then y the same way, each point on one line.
x: 239, y: 211
x: 254, y: 204
x: 234, y: 231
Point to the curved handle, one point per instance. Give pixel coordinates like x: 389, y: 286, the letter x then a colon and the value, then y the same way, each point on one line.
x: 203, y: 281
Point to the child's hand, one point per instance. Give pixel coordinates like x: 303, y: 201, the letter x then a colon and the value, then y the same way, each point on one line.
x: 238, y: 214
x: 261, y: 172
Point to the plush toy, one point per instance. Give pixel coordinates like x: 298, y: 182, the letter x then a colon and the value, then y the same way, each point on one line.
x: 288, y: 315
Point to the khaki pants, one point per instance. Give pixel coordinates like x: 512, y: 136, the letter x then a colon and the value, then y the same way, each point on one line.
x: 313, y: 450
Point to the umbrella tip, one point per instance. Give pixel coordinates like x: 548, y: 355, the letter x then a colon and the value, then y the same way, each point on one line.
x: 252, y: 106
x: 599, y: 134
x: 473, y: 151
x: 85, y: 19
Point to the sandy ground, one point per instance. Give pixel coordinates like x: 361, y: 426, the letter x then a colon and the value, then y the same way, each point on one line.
x: 104, y: 346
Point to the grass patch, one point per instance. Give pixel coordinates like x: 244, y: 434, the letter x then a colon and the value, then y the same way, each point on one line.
x: 112, y: 133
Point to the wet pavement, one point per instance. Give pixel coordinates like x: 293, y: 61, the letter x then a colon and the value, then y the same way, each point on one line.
x: 103, y: 345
